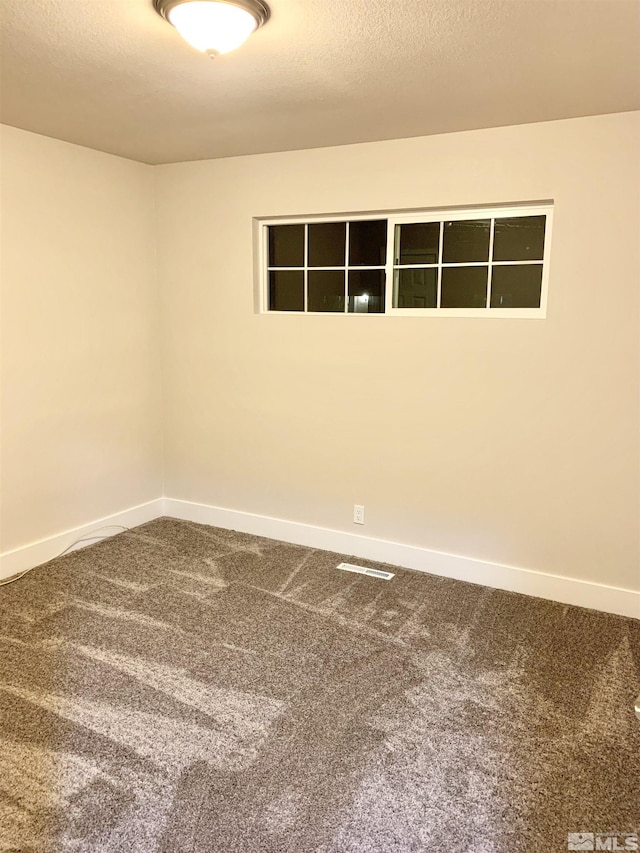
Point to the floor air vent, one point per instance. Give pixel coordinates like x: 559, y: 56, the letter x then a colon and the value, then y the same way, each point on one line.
x: 363, y: 570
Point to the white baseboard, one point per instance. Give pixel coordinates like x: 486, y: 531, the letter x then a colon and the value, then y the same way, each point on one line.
x: 36, y: 553
x: 624, y: 602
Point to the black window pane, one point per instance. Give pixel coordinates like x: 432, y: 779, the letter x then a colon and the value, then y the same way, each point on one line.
x: 516, y: 287
x: 466, y: 240
x: 326, y: 290
x: 327, y: 244
x: 366, y: 291
x: 464, y: 287
x: 520, y: 238
x: 286, y: 290
x: 416, y: 288
x: 286, y: 245
x: 418, y: 243
x: 368, y: 243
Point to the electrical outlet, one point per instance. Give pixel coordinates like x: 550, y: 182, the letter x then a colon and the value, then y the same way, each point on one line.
x: 358, y: 514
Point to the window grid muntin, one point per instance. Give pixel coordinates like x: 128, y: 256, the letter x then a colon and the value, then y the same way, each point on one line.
x: 492, y: 231
x: 347, y: 242
x: 440, y: 250
x: 306, y: 267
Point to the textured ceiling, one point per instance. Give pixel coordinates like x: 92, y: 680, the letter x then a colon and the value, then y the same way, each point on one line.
x: 112, y: 75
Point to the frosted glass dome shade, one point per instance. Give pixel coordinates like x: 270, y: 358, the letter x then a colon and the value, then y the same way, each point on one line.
x: 214, y: 26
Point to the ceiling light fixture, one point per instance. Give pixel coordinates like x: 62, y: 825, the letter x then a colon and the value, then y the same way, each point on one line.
x: 214, y: 26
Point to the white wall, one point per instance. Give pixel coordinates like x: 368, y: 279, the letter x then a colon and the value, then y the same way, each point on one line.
x: 81, y: 432
x: 511, y: 441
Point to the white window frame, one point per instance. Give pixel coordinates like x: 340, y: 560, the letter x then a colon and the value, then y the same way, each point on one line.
x: 393, y: 219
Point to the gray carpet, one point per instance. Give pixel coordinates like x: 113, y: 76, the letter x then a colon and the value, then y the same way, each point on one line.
x: 186, y: 689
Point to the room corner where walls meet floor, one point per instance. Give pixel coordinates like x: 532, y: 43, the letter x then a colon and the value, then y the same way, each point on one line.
x: 571, y: 591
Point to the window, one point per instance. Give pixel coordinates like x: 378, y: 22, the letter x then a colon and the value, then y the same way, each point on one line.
x: 327, y: 266
x: 490, y: 262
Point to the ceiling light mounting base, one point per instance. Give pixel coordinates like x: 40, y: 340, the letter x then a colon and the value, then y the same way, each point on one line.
x: 257, y: 8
